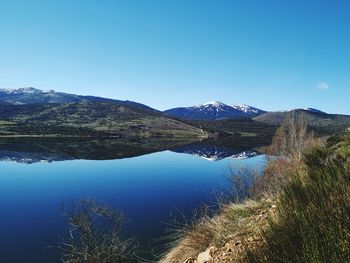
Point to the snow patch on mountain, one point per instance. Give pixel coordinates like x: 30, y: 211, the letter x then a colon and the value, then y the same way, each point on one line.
x: 214, y: 103
x: 247, y: 109
x: 313, y: 110
x: 28, y: 90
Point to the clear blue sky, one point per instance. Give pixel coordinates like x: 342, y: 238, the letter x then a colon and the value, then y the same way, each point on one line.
x: 273, y: 54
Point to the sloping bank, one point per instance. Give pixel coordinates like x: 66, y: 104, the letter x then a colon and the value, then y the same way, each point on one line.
x: 308, y: 220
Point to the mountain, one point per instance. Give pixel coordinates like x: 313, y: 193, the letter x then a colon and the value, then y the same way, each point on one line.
x: 213, y: 110
x: 31, y: 95
x: 89, y: 118
x: 317, y: 120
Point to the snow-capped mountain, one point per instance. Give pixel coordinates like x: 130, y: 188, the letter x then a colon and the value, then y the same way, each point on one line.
x: 214, y: 110
x: 36, y: 96
x: 32, y: 96
x: 29, y: 90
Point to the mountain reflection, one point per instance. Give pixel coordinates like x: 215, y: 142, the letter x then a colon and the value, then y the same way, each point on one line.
x: 215, y: 153
x: 33, y: 150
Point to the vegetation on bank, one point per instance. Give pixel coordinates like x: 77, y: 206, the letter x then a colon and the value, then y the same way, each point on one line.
x: 300, y: 211
x: 312, y: 223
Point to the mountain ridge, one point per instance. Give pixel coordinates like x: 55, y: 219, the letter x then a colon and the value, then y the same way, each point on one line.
x: 32, y: 95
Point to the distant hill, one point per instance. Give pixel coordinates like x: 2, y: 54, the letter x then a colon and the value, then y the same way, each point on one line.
x: 214, y: 111
x: 88, y: 118
x: 36, y: 96
x: 317, y: 120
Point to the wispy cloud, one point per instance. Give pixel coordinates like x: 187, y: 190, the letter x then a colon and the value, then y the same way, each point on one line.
x: 322, y: 86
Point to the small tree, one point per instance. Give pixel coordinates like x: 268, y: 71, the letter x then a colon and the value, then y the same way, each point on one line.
x: 291, y: 141
x: 291, y: 138
x: 94, y: 235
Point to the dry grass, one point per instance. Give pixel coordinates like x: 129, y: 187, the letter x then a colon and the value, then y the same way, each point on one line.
x: 241, y: 178
x: 234, y: 224
x: 277, y: 173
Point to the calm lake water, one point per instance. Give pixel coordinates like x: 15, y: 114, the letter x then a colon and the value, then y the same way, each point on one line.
x: 149, y: 189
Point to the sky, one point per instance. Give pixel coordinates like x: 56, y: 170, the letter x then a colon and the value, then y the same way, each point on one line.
x: 275, y: 55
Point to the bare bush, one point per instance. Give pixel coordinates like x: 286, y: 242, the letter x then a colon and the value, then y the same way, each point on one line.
x: 291, y: 141
x: 94, y: 235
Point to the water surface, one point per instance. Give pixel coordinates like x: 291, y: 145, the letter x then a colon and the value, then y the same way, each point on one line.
x: 149, y: 189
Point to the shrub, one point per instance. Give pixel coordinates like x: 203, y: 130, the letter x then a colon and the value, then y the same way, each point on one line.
x: 94, y: 235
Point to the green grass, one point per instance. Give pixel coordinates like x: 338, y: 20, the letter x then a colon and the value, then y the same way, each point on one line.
x: 313, y: 216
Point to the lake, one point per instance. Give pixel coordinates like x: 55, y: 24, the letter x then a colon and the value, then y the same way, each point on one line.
x: 151, y: 188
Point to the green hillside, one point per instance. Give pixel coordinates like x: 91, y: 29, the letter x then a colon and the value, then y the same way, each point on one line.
x: 102, y: 119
